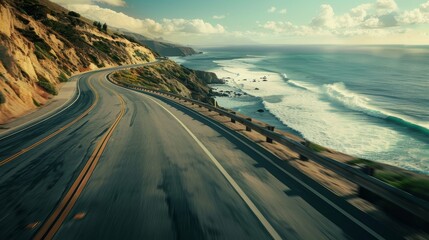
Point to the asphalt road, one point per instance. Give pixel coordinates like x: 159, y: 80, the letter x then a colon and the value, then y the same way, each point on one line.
x: 160, y: 171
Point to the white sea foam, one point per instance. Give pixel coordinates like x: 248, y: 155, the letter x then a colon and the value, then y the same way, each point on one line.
x: 303, y: 109
x: 320, y: 114
x: 300, y: 85
x: 340, y: 94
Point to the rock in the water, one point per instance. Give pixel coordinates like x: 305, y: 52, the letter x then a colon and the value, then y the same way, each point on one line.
x: 261, y: 110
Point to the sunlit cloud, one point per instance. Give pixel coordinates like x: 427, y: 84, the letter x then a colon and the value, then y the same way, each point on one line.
x: 375, y: 19
x: 272, y: 9
x: 283, y: 11
x: 146, y: 26
x: 109, y: 2
x: 386, y: 6
x: 419, y: 15
x: 219, y: 16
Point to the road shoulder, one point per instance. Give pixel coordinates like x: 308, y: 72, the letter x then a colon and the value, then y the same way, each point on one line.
x: 65, y: 95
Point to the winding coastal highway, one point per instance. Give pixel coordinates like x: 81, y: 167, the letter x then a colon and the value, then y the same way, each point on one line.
x: 122, y: 164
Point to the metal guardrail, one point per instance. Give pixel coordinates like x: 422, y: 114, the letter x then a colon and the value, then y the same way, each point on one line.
x: 402, y: 199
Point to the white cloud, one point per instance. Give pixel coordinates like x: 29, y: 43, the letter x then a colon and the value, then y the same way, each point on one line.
x: 375, y: 21
x: 146, y: 26
x: 110, y: 2
x: 190, y: 26
x: 113, y: 2
x: 278, y: 27
x: 419, y: 15
x: 372, y: 22
x: 364, y: 19
x: 287, y: 28
x: 361, y: 11
x: 272, y: 9
x: 385, y: 6
x: 325, y: 18
x: 219, y: 16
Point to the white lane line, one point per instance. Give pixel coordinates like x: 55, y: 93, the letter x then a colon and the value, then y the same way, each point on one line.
x: 36, y: 121
x: 332, y: 204
x: 228, y: 177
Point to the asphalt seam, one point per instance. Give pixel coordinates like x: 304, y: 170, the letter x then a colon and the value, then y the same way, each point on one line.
x: 270, y: 229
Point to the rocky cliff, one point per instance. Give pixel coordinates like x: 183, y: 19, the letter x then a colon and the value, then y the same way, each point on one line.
x: 168, y: 76
x: 208, y: 77
x: 42, y: 44
x: 162, y: 48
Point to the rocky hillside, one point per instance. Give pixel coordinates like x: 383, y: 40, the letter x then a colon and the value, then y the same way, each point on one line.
x: 162, y: 48
x: 171, y: 77
x: 42, y: 44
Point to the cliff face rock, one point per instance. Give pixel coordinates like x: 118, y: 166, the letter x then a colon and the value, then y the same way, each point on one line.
x: 168, y: 49
x: 208, y: 77
x: 162, y: 48
x: 42, y: 44
x: 167, y: 76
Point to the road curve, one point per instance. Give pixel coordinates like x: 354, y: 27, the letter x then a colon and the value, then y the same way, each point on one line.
x: 130, y: 165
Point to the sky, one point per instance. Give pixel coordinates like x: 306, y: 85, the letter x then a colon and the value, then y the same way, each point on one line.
x: 230, y: 22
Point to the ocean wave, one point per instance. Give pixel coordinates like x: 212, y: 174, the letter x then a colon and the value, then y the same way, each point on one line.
x: 340, y: 94
x: 285, y: 77
x: 298, y: 85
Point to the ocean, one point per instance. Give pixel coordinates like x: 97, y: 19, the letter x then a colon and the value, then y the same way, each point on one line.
x: 368, y: 101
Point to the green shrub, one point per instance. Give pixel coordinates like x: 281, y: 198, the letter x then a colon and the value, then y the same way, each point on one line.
x: 74, y: 14
x: 32, y: 8
x: 116, y: 59
x: 392, y: 178
x: 101, y: 46
x: 315, y: 147
x: 42, y: 49
x: 139, y: 54
x: 2, y: 98
x: 42, y: 53
x: 369, y: 163
x: 39, y: 54
x: 67, y: 31
x: 94, y: 59
x: 67, y: 71
x: 417, y: 186
x: 47, y: 86
x: 62, y: 77
x: 36, y: 103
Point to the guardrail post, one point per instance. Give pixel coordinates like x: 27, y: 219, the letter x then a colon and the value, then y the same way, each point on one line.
x: 248, y: 128
x: 271, y: 128
x: 363, y: 192
x: 368, y: 170
x: 303, y: 158
x: 233, y: 120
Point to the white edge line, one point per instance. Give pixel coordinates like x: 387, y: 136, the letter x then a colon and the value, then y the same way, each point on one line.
x: 353, y: 219
x: 36, y: 122
x: 228, y: 177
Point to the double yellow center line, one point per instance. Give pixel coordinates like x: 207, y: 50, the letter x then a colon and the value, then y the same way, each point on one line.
x: 22, y: 151
x: 54, y: 222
